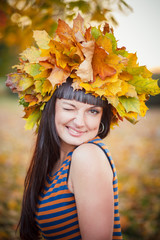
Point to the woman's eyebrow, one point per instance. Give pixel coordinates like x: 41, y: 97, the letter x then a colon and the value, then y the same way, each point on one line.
x: 68, y: 103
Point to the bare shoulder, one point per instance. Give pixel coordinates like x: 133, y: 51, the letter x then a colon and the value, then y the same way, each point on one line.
x: 88, y: 150
x: 89, y: 157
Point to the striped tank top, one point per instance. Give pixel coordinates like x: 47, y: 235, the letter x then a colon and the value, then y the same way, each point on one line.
x: 56, y: 214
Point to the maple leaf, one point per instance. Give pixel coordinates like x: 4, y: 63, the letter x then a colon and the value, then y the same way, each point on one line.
x: 18, y: 82
x: 79, y: 37
x: 113, y: 100
x: 85, y: 70
x: 38, y: 85
x: 105, y: 43
x: 29, y: 98
x: 64, y: 32
x: 98, y: 83
x: 76, y: 54
x: 43, y: 75
x: 145, y: 85
x: 120, y: 110
x: 46, y: 64
x: 113, y: 40
x: 99, y: 66
x: 96, y: 33
x: 58, y: 76
x: 131, y: 117
x: 32, y: 119
x: 59, y: 50
x: 114, y: 87
x: 42, y: 38
x: 87, y: 34
x: 31, y: 54
x: 132, y: 60
x: 32, y: 69
x: 127, y: 90
x: 131, y: 91
x: 131, y: 104
x: 143, y: 109
x: 78, y: 24
x: 47, y: 87
x: 125, y: 76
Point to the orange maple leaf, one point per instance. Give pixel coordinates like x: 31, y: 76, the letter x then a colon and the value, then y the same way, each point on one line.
x: 58, y: 76
x: 99, y: 66
x: 78, y: 24
x: 88, y: 34
x: 64, y: 32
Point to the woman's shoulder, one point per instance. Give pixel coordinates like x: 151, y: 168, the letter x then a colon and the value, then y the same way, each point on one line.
x: 89, y: 155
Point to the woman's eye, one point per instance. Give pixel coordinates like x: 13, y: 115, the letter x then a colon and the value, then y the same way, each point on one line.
x: 94, y: 111
x: 68, y: 109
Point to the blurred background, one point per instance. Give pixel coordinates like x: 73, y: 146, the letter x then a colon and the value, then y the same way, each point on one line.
x: 134, y: 148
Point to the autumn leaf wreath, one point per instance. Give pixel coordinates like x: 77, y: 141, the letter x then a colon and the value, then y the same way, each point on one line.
x: 91, y: 57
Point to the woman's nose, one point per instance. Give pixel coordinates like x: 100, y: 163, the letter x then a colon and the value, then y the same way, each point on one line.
x: 79, y: 119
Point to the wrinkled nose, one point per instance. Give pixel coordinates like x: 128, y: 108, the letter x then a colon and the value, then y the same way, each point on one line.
x: 79, y: 120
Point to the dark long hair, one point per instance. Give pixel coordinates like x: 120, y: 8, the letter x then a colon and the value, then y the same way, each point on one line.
x: 47, y: 152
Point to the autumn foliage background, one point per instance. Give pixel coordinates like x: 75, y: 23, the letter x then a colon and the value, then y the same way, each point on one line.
x: 135, y: 148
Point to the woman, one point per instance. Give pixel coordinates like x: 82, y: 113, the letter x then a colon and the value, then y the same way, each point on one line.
x: 73, y: 87
x: 77, y: 200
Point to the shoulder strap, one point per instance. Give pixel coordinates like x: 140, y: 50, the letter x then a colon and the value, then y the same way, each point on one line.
x: 98, y: 141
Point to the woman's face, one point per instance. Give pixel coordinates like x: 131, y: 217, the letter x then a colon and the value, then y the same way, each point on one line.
x: 76, y: 122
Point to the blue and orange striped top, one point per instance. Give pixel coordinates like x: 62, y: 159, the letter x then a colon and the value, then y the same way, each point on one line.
x: 56, y: 215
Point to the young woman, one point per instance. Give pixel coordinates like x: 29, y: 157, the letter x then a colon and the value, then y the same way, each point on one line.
x: 71, y: 186
x: 65, y: 84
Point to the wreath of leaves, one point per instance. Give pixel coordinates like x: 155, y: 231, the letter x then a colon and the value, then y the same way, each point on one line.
x: 92, y: 58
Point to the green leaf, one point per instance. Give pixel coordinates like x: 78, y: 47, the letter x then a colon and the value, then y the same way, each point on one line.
x: 32, y: 119
x: 95, y: 32
x: 23, y: 102
x: 123, y: 53
x: 42, y: 38
x: 32, y: 69
x: 145, y: 85
x: 113, y: 40
x: 140, y: 70
x: 131, y: 104
x: 38, y: 85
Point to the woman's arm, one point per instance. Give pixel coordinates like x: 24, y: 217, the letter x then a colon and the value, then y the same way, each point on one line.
x: 92, y: 177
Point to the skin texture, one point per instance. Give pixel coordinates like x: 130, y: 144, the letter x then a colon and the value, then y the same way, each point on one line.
x: 90, y: 176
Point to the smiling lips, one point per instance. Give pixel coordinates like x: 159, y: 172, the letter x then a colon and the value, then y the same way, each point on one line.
x: 75, y: 132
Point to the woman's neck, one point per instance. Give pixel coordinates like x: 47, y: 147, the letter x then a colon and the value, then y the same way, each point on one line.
x: 64, y: 150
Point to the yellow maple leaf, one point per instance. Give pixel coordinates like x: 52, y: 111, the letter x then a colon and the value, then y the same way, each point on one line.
x: 43, y: 74
x: 105, y: 43
x: 32, y: 119
x: 42, y: 38
x: 113, y: 100
x: 47, y: 87
x: 125, y: 76
x: 98, y: 83
x: 143, y: 109
x: 114, y: 87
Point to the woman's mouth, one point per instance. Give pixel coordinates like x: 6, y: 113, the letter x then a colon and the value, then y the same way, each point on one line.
x: 75, y: 132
